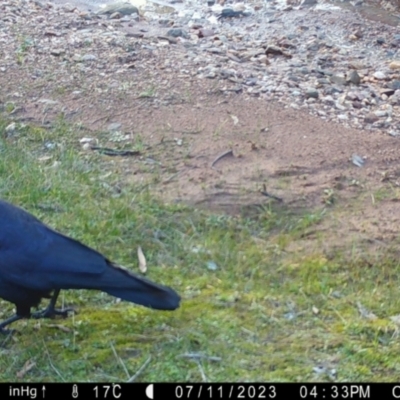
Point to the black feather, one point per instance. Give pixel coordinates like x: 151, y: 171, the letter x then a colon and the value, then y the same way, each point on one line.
x: 36, y: 261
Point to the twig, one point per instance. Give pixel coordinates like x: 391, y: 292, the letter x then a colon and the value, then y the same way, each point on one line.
x: 146, y: 363
x: 200, y: 356
x: 271, y: 196
x: 107, y: 117
x: 203, y: 375
x: 221, y: 156
x: 112, y: 152
x: 51, y: 364
x: 171, y: 177
x: 119, y: 360
x: 8, y: 337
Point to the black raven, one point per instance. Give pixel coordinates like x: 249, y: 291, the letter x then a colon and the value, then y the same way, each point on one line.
x: 37, y: 262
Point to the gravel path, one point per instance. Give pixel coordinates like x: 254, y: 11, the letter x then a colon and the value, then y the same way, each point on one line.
x: 321, y: 58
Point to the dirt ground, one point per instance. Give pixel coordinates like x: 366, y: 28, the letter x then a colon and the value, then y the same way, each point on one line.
x: 220, y: 149
x: 301, y: 159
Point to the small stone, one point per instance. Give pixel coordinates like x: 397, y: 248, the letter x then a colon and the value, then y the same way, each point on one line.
x: 387, y: 92
x: 338, y: 80
x: 395, y: 64
x: 178, y: 32
x: 380, y: 113
x: 328, y: 100
x: 57, y: 52
x: 311, y: 93
x: 354, y: 78
x: 114, y: 126
x: 357, y: 160
x: 273, y: 50
x: 395, y: 84
x: 124, y: 8
x: 215, y: 50
x: 116, y: 15
x: 370, y: 118
x: 11, y: 128
x: 379, y: 75
x: 308, y: 2
x: 204, y: 32
x: 212, y: 266
x: 88, y: 57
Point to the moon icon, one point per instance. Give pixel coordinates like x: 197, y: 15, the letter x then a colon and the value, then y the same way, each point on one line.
x: 150, y: 391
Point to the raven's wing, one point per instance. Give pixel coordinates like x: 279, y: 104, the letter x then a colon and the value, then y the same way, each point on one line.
x: 35, y: 256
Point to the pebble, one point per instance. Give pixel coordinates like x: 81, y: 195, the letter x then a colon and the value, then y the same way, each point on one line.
x: 123, y: 8
x: 326, y: 62
x: 379, y: 75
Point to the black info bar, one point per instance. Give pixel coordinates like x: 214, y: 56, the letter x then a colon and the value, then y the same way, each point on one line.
x: 181, y: 391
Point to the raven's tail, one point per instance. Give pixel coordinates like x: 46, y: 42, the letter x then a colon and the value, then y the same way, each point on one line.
x: 120, y: 282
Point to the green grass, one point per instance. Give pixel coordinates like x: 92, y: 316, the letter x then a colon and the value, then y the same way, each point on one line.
x: 269, y: 314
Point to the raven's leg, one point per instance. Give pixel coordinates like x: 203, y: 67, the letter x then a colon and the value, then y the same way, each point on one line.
x: 8, y: 321
x: 51, y: 311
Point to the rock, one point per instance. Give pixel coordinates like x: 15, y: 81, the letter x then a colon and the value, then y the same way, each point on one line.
x: 116, y: 15
x: 11, y: 128
x: 251, y: 81
x: 114, y: 126
x: 338, y: 80
x: 88, y: 57
x: 273, y: 50
x: 395, y: 84
x: 387, y: 92
x: 357, y: 65
x: 370, y: 118
x: 230, y: 13
x: 354, y: 78
x: 227, y: 73
x: 215, y: 50
x: 205, y: 32
x: 379, y: 75
x: 380, y: 113
x: 122, y: 8
x: 57, y: 52
x: 308, y: 2
x: 304, y: 70
x: 178, y: 32
x: 328, y: 100
x: 311, y: 93
x: 395, y: 64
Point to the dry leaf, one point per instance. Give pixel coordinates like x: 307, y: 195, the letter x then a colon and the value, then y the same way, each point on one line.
x: 366, y: 313
x: 142, y: 260
x: 395, y: 319
x: 235, y: 119
x: 26, y: 368
x: 86, y: 140
x: 45, y: 158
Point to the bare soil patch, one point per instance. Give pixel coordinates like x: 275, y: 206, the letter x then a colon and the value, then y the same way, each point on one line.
x: 181, y: 125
